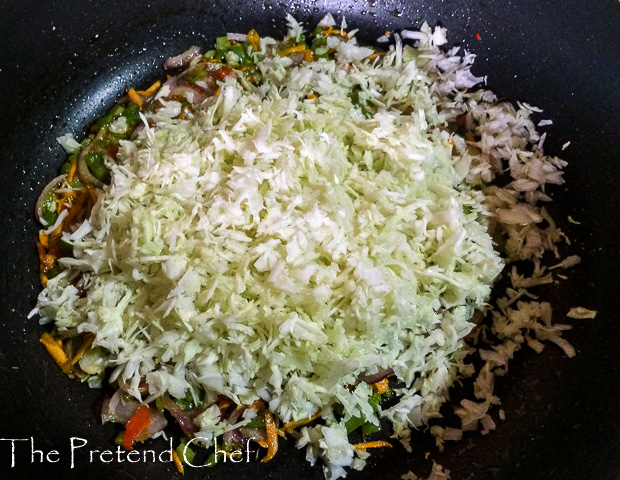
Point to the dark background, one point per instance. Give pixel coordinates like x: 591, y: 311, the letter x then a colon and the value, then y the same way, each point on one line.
x: 63, y: 63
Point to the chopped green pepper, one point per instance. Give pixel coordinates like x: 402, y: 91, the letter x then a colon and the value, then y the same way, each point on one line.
x: 132, y: 114
x: 97, y: 167
x: 112, y: 115
x: 54, y: 271
x: 211, y: 460
x: 375, y: 400
x: 238, y: 50
x: 257, y: 422
x: 222, y: 43
x: 354, y: 423
x: 159, y: 404
x: 66, y: 167
x: 186, y: 454
x: 369, y: 428
x: 186, y: 403
x: 48, y: 210
x: 196, y: 75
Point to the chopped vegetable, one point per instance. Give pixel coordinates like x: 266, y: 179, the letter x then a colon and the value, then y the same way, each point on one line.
x: 135, y: 98
x: 254, y: 40
x: 136, y: 426
x: 86, y: 343
x: 56, y: 351
x: 382, y: 386
x: 264, y: 227
x: 293, y: 425
x: 272, y: 437
x: 177, y: 462
x: 375, y: 444
x: 581, y: 313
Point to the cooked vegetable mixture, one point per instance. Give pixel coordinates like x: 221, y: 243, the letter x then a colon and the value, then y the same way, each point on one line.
x: 297, y: 238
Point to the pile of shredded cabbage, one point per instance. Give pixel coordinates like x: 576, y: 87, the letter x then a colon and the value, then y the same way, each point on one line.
x: 280, y: 243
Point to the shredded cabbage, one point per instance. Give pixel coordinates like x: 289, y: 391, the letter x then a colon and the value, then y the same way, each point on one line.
x: 284, y: 240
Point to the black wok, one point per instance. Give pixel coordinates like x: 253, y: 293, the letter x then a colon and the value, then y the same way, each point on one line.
x: 63, y: 63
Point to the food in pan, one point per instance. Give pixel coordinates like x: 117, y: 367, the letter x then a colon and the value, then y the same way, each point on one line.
x: 298, y: 238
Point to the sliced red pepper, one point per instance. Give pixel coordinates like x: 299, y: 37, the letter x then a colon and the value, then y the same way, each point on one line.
x: 138, y: 423
x: 222, y: 73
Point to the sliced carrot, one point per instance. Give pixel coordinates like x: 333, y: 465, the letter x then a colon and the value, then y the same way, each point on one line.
x: 375, y: 55
x: 296, y: 49
x: 332, y: 31
x: 64, y: 199
x: 72, y: 170
x: 309, y: 56
x: 224, y: 402
x: 75, y: 209
x: 56, y: 351
x: 135, y: 98
x: 254, y: 40
x: 375, y: 444
x: 86, y: 343
x: 41, y: 251
x: 381, y: 386
x: 257, y: 405
x: 293, y: 425
x: 92, y: 195
x: 151, y: 90
x: 43, y: 239
x: 262, y: 443
x: 177, y: 462
x: 272, y: 437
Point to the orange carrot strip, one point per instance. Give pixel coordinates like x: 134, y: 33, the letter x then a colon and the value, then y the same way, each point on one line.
x: 224, y: 402
x: 376, y: 444
x: 91, y: 193
x: 272, y: 437
x: 86, y: 343
x: 309, y: 56
x: 64, y: 199
x: 55, y: 351
x: 135, y: 98
x: 177, y: 462
x: 151, y: 90
x: 41, y: 251
x: 375, y: 55
x: 293, y: 425
x: 332, y: 31
x: 72, y: 170
x: 262, y: 443
x: 257, y: 405
x: 381, y: 386
x: 43, y: 239
x: 75, y: 209
x: 254, y: 40
x: 288, y: 51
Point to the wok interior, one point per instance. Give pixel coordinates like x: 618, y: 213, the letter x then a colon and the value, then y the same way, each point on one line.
x: 64, y: 64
